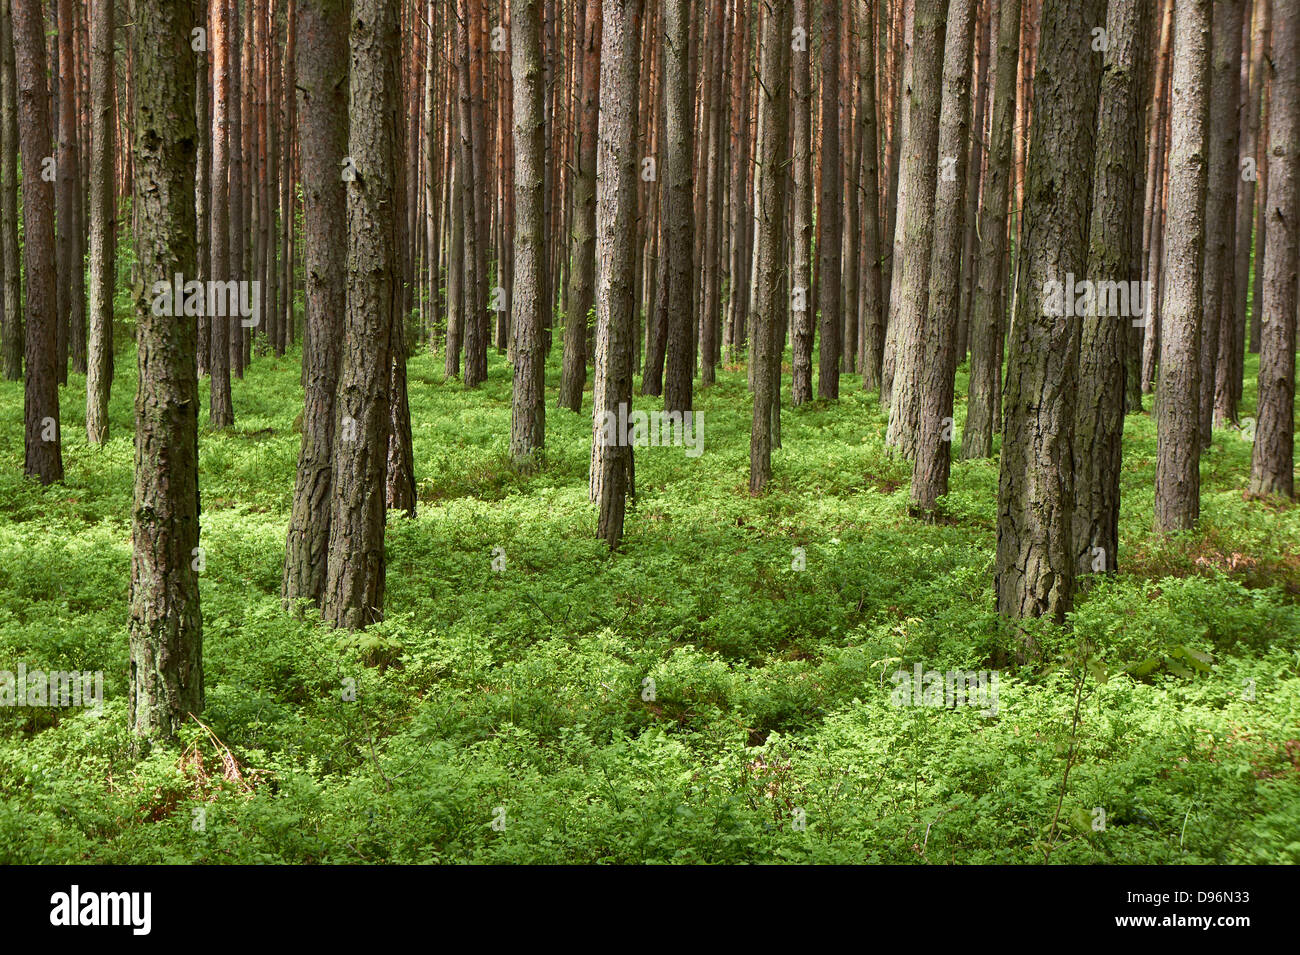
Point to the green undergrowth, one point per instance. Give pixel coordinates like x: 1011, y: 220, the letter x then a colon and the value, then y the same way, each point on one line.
x: 691, y: 698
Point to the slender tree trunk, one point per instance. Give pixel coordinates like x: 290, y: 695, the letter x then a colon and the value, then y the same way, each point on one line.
x: 12, y: 329
x: 1178, y: 475
x: 830, y: 209
x: 42, y: 444
x: 617, y: 168
x: 769, y: 239
x: 988, y: 307
x: 103, y: 224
x: 870, y: 307
x: 322, y: 70
x: 528, y: 401
x: 803, y: 308
x: 582, y: 244
x: 680, y: 232
x: 166, y: 627
x: 473, y: 321
x: 1219, y: 291
x: 1272, y: 469
x: 1035, y: 566
x: 354, y: 585
x: 220, y: 411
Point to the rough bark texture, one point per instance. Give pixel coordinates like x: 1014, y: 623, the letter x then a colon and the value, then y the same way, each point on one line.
x: 801, y: 283
x: 1219, y: 291
x: 322, y: 68
x: 1272, y: 469
x: 830, y: 210
x: 12, y: 329
x: 71, y: 260
x: 103, y: 223
x: 617, y: 177
x: 1099, y: 406
x: 166, y: 629
x: 220, y: 411
x: 915, y: 225
x: 1178, y: 438
x: 473, y: 320
x: 582, y: 241
x: 354, y: 586
x: 680, y: 232
x: 988, y: 307
x: 42, y: 459
x: 871, y: 343
x: 1035, y: 566
x: 1228, y: 384
x: 769, y: 240
x: 528, y: 399
x: 939, y: 336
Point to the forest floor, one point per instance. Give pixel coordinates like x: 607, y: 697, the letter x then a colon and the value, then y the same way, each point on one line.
x: 508, y: 715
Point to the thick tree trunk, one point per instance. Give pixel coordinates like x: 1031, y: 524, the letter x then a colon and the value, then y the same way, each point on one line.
x: 528, y: 399
x: 354, y: 586
x: 617, y: 169
x: 322, y: 69
x: 166, y: 628
x: 915, y: 226
x: 769, y: 239
x: 939, y: 335
x: 1035, y: 565
x: 103, y: 224
x: 1178, y: 474
x: 1272, y: 469
x: 1099, y: 406
x: 582, y: 244
x: 43, y: 448
x: 988, y: 308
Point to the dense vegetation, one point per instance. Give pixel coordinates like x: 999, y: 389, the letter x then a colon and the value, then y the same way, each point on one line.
x: 524, y: 689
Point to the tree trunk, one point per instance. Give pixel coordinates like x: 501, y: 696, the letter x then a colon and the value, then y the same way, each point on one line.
x: 103, y: 223
x: 322, y: 69
x: 43, y: 448
x: 921, y: 170
x: 354, y: 586
x: 1099, y: 407
x: 1219, y: 291
x: 582, y: 245
x: 220, y: 412
x: 769, y: 239
x: 166, y: 626
x: 473, y: 322
x: 871, y: 342
x: 939, y: 334
x: 830, y: 209
x: 988, y: 308
x: 617, y: 168
x: 801, y: 305
x: 680, y: 221
x: 1178, y: 475
x: 12, y: 329
x: 1272, y: 469
x: 528, y: 399
x: 1035, y: 566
